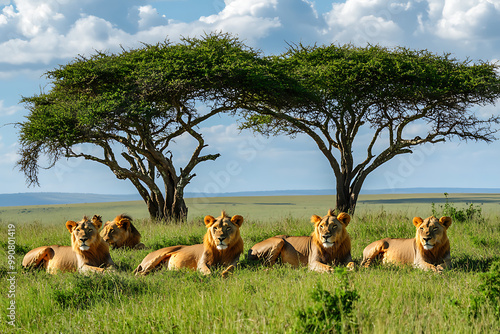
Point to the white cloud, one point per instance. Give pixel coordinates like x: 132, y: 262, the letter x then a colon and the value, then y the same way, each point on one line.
x: 149, y: 17
x: 248, y: 19
x: 8, y: 110
x: 464, y: 20
x: 44, y: 32
x: 8, y: 156
x: 363, y: 21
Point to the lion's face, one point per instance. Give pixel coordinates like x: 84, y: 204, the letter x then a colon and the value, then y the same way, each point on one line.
x: 224, y: 230
x: 431, y: 231
x: 116, y: 232
x: 85, y: 233
x: 114, y: 235
x: 330, y: 230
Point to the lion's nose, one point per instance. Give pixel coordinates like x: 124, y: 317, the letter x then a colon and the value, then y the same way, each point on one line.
x: 427, y: 239
x: 221, y: 239
x: 84, y: 239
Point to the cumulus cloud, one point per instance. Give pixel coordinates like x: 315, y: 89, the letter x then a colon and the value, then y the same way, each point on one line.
x: 463, y: 19
x: 52, y: 30
x: 48, y: 31
x: 149, y: 17
x: 361, y: 21
x: 250, y: 19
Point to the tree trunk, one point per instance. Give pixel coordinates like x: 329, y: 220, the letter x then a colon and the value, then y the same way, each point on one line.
x: 347, y: 195
x: 348, y: 190
x: 346, y: 202
x: 177, y: 211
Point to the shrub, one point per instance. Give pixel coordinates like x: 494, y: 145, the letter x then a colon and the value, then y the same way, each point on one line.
x: 458, y: 215
x: 331, y: 311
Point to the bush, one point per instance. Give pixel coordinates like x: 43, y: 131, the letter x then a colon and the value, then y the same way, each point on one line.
x: 331, y: 310
x: 458, y: 215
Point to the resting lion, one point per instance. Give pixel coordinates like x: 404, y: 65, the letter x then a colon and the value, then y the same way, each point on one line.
x: 88, y: 251
x: 222, y: 246
x: 328, y: 245
x: 429, y: 250
x: 120, y: 233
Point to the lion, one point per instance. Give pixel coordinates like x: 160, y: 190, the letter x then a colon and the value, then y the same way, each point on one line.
x: 329, y: 244
x: 88, y: 251
x: 120, y: 233
x: 222, y: 246
x: 429, y: 250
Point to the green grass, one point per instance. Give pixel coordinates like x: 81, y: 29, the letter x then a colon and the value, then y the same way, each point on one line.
x: 254, y: 299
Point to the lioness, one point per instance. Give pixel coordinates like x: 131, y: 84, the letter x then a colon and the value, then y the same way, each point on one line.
x: 120, y: 233
x: 329, y: 244
x: 429, y: 250
x: 88, y: 251
x: 222, y: 246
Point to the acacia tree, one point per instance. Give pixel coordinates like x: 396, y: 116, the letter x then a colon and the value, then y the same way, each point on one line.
x: 132, y: 106
x: 385, y: 90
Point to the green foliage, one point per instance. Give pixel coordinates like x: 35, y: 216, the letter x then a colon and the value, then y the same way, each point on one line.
x: 332, y: 313
x: 384, y: 89
x: 471, y: 212
x: 488, y: 292
x: 133, y: 106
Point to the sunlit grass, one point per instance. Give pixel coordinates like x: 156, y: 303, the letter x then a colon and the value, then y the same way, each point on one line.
x: 254, y: 299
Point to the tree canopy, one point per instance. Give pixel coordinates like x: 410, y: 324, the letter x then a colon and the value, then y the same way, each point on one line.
x: 386, y: 90
x: 133, y: 105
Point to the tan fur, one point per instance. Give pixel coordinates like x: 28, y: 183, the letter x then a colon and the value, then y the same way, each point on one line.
x: 311, y: 251
x: 121, y: 233
x: 222, y: 246
x: 429, y: 250
x: 88, y: 251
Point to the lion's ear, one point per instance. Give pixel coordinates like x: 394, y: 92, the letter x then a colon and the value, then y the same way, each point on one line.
x: 344, y: 218
x: 315, y: 219
x: 123, y: 223
x: 97, y: 221
x: 237, y: 220
x: 417, y: 221
x: 445, y: 221
x: 209, y: 220
x: 70, y: 225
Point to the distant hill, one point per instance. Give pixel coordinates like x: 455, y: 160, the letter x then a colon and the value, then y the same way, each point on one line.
x: 47, y: 198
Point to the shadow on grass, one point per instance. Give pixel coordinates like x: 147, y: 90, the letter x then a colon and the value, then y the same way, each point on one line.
x: 427, y: 200
x: 468, y: 264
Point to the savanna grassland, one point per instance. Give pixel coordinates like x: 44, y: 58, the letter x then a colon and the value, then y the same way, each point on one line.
x: 256, y: 299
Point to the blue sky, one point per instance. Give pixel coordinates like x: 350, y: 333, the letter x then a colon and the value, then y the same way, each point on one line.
x: 38, y: 35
